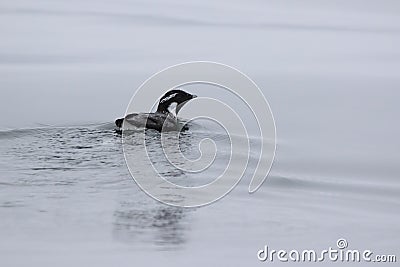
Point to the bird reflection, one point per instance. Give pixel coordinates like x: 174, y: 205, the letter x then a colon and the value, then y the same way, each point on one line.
x: 163, y: 225
x: 141, y: 219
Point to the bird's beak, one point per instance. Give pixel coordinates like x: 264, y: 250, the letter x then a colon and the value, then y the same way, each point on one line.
x: 194, y: 96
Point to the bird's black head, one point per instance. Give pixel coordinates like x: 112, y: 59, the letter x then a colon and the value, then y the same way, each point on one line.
x: 177, y: 96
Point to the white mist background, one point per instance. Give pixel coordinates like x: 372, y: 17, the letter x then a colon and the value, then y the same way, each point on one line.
x: 80, y: 61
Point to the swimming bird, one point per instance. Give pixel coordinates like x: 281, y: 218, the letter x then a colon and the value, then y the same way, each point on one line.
x: 164, y: 119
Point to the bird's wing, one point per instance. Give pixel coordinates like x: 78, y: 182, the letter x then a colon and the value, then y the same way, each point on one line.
x: 156, y: 121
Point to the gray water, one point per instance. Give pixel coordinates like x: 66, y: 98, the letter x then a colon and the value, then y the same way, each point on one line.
x: 330, y: 72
